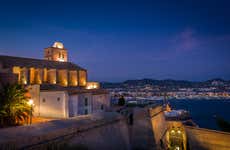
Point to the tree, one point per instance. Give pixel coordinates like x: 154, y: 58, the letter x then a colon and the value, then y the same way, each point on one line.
x: 121, y: 101
x: 223, y: 124
x: 14, y: 107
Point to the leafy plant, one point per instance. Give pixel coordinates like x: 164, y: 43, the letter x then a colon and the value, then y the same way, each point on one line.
x: 14, y: 107
x: 223, y: 124
x: 121, y: 101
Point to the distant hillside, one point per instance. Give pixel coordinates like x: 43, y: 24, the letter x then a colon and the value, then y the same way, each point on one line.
x: 166, y: 83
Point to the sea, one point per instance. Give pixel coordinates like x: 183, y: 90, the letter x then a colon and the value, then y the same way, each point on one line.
x: 203, y: 111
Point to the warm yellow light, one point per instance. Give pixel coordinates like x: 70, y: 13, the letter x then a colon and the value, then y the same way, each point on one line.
x: 172, y: 131
x: 65, y: 82
x: 61, y: 59
x: 177, y: 148
x: 179, y: 132
x: 92, y: 85
x: 31, y: 102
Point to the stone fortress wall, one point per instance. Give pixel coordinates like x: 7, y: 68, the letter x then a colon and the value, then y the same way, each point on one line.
x: 195, y: 138
x: 112, y: 136
x: 98, y: 131
x: 205, y: 139
x: 159, y: 125
x: 111, y: 131
x: 101, y: 131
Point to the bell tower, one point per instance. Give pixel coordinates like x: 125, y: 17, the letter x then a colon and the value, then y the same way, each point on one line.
x: 56, y: 53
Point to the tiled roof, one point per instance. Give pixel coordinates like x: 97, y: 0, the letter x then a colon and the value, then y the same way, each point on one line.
x: 10, y: 61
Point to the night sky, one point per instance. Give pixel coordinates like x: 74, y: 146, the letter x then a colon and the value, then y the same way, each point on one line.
x: 119, y: 40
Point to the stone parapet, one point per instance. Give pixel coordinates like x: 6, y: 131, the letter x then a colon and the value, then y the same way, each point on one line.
x: 205, y: 139
x: 27, y: 137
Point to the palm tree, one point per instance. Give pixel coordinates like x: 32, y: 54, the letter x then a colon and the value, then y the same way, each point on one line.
x: 14, y: 107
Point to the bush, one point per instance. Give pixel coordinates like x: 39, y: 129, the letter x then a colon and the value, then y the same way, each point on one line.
x: 121, y: 101
x: 14, y: 107
x: 223, y: 124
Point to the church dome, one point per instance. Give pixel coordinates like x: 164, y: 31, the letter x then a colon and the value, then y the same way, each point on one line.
x: 58, y: 45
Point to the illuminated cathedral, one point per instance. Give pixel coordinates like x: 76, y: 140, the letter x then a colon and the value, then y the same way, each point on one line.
x: 59, y: 88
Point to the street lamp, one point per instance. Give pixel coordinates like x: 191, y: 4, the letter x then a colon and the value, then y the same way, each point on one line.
x: 31, y: 103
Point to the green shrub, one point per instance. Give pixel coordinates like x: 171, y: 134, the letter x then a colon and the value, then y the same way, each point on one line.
x: 121, y: 101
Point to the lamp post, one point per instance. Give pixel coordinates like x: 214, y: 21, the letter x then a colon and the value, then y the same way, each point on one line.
x: 31, y: 103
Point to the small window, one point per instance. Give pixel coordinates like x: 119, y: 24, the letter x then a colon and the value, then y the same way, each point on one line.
x: 43, y: 100
x: 58, y: 99
x: 86, y: 101
x: 102, y: 107
x: 86, y: 111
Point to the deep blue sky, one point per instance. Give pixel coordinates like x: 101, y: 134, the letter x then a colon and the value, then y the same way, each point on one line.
x: 119, y: 40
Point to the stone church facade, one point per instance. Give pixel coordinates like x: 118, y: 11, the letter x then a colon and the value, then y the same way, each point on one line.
x: 59, y: 88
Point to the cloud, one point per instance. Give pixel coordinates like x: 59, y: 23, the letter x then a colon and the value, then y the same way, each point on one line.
x: 191, y: 44
x: 185, y: 41
x: 180, y: 44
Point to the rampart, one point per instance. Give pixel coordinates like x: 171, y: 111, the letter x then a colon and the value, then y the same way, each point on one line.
x: 205, y: 139
x: 99, y: 131
x: 159, y: 125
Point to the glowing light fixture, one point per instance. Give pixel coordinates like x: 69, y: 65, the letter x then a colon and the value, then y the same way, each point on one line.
x: 54, y: 81
x: 25, y: 82
x: 92, y: 85
x: 177, y: 148
x: 31, y: 102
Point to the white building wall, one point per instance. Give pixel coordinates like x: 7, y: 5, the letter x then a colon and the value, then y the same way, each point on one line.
x: 101, y: 102
x: 34, y: 91
x: 82, y: 108
x: 73, y: 105
x: 59, y: 104
x: 54, y: 104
